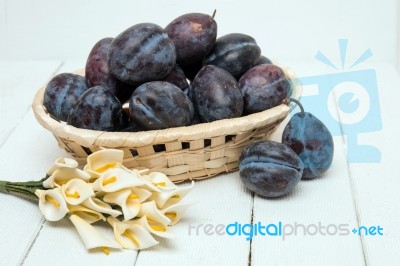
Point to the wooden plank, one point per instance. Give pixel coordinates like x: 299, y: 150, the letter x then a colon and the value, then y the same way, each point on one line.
x: 375, y: 185
x: 18, y: 84
x: 218, y: 200
x: 26, y: 155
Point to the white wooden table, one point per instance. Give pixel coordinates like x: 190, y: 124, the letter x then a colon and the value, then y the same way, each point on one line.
x: 39, y: 39
x: 355, y: 194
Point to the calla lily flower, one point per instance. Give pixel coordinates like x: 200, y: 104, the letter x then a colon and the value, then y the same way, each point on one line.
x: 100, y: 206
x: 52, y: 204
x: 161, y: 181
x: 76, y: 191
x: 150, y: 210
x: 143, y: 194
x: 116, y: 179
x: 62, y: 163
x: 62, y: 175
x: 91, y: 237
x: 164, y: 199
x: 175, y: 212
x: 128, y: 201
x: 131, y: 236
x: 90, y: 216
x: 154, y: 227
x: 100, y: 161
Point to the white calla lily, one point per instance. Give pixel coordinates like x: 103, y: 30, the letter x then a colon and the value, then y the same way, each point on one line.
x: 100, y: 206
x: 154, y: 227
x: 92, y: 238
x: 62, y: 175
x: 52, y: 204
x: 116, y: 179
x: 62, y: 163
x: 128, y: 202
x: 161, y: 181
x: 142, y: 193
x: 76, y: 191
x: 100, y: 161
x: 90, y: 216
x: 167, y: 198
x: 175, y: 212
x: 150, y: 210
x: 131, y: 236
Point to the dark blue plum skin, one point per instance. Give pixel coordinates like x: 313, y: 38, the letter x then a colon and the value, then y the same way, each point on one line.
x: 98, y: 109
x: 309, y: 138
x: 263, y: 87
x: 177, y: 77
x: 269, y: 168
x: 235, y: 52
x: 216, y: 94
x: 194, y: 35
x: 159, y: 105
x: 62, y: 92
x: 141, y: 53
x: 191, y: 70
x: 96, y: 69
x: 98, y: 74
x: 263, y: 60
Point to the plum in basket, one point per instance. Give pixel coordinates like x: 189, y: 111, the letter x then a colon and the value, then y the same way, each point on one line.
x: 159, y: 105
x: 62, y: 92
x: 98, y: 109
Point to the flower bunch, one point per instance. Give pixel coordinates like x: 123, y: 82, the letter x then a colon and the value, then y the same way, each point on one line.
x: 138, y: 206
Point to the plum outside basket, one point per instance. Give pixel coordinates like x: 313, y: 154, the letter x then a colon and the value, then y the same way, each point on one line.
x: 183, y: 153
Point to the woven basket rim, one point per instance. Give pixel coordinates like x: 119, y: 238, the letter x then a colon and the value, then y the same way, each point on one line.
x: 87, y: 137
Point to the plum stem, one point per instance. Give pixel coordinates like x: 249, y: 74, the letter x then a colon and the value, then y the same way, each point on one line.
x: 298, y: 104
x: 213, y: 14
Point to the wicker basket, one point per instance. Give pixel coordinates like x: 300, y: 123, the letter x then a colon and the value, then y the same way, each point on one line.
x: 183, y: 153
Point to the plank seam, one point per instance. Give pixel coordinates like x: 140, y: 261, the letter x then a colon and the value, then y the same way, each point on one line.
x: 352, y: 188
x: 251, y: 222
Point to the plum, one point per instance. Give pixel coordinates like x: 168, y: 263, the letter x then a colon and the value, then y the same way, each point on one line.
x: 216, y: 94
x: 269, y: 168
x: 97, y: 109
x: 308, y: 137
x: 235, y: 52
x: 263, y: 60
x: 98, y: 74
x: 263, y: 87
x: 178, y: 78
x: 141, y: 53
x: 159, y: 105
x: 61, y: 93
x: 194, y: 36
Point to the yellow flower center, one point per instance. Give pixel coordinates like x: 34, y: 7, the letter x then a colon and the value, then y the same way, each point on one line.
x: 52, y: 200
x: 74, y: 195
x: 171, y: 215
x: 161, y: 184
x: 132, y: 197
x: 109, y: 180
x: 129, y: 235
x: 62, y: 182
x: 105, y: 167
x: 175, y: 197
x: 105, y: 250
x: 156, y: 226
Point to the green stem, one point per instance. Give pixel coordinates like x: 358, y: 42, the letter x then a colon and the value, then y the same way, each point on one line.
x: 27, y: 188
